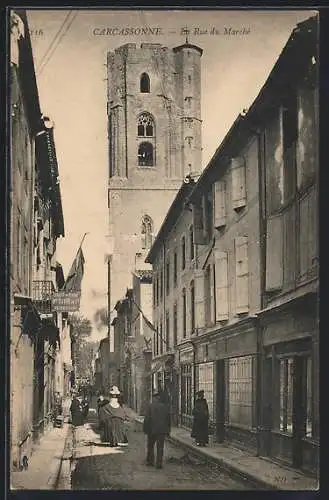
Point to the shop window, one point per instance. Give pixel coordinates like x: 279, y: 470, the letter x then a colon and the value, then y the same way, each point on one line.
x: 206, y: 383
x: 286, y: 402
x: 309, y: 399
x: 184, y: 312
x: 145, y: 155
x: 145, y: 83
x: 240, y: 391
x: 186, y: 390
x: 183, y: 253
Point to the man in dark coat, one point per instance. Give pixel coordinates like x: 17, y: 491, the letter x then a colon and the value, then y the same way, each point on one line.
x: 156, y: 426
x: 200, y: 420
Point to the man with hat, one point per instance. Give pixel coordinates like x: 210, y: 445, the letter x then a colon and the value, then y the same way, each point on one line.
x: 156, y: 426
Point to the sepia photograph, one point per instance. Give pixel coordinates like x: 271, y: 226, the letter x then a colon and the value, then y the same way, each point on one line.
x: 163, y: 270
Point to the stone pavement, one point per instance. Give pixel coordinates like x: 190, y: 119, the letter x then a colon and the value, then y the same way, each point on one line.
x: 96, y: 466
x: 46, y: 459
x: 259, y: 471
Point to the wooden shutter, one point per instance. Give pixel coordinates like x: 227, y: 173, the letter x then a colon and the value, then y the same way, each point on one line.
x: 274, y: 253
x: 199, y: 291
x: 308, y: 237
x: 242, y: 274
x: 198, y: 225
x: 219, y: 204
x: 238, y: 169
x: 221, y: 282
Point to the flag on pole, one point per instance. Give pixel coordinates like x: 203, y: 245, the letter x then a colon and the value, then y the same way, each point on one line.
x: 74, y: 278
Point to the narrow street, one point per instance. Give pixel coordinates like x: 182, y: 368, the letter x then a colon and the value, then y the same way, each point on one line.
x: 98, y: 467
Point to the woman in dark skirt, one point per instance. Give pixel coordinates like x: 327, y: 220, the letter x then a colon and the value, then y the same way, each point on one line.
x: 114, y: 418
x: 76, y: 413
x: 200, y: 420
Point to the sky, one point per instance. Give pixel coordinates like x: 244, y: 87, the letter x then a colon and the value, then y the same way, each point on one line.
x: 71, y: 78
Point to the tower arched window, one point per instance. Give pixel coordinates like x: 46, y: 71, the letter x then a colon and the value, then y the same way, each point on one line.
x: 145, y: 125
x: 147, y: 232
x: 145, y: 155
x: 145, y: 83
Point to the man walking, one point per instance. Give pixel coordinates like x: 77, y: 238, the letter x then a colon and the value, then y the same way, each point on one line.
x: 156, y: 426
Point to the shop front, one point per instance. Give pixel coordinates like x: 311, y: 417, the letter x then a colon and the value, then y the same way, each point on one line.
x: 226, y: 370
x: 290, y: 394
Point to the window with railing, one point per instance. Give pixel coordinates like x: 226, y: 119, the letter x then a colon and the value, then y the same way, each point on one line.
x: 240, y: 392
x: 205, y: 376
x: 42, y: 292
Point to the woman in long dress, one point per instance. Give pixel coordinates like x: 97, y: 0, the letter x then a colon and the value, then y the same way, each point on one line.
x: 200, y: 420
x: 114, y: 418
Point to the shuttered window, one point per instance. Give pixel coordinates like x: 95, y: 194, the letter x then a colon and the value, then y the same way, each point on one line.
x: 198, y: 226
x: 307, y: 137
x: 242, y: 275
x: 308, y: 237
x: 274, y: 253
x: 221, y: 284
x: 238, y: 170
x: 274, y: 163
x: 219, y: 204
x: 199, y: 299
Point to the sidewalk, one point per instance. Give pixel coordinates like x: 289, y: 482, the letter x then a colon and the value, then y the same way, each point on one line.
x: 45, y: 461
x: 259, y: 471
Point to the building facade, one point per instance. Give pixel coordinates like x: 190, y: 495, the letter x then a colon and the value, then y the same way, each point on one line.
x: 247, y: 308
x: 36, y: 221
x: 173, y: 257
x: 154, y: 131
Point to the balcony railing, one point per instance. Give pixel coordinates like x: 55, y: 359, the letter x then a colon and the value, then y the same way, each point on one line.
x: 42, y: 292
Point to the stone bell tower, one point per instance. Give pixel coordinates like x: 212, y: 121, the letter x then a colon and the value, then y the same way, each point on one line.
x: 154, y: 135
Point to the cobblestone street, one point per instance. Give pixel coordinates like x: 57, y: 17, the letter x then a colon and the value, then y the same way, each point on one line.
x: 99, y: 467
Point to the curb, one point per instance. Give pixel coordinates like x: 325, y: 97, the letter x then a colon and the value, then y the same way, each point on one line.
x: 253, y: 480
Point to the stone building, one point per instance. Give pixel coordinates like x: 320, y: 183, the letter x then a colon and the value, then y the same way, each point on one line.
x: 154, y: 131
x: 254, y: 283
x: 173, y: 258
x: 36, y: 221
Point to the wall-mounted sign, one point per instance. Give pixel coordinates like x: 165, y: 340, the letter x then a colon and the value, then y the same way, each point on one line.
x: 66, y: 301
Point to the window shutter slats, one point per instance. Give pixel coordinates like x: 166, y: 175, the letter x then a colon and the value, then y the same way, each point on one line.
x: 242, y: 274
x: 238, y: 170
x: 199, y: 299
x: 221, y: 280
x: 219, y: 204
x: 198, y: 225
x: 274, y: 253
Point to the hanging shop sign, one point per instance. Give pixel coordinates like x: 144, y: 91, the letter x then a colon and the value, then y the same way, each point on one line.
x: 66, y: 301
